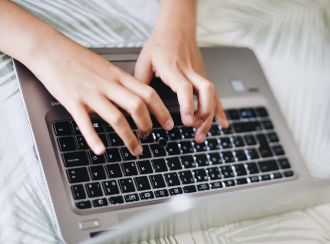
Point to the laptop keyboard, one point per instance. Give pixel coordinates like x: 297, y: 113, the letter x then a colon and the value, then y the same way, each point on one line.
x: 247, y: 153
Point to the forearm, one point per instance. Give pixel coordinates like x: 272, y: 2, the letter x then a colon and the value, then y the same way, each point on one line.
x: 24, y: 36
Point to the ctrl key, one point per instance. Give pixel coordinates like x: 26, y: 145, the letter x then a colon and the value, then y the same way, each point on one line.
x: 83, y: 204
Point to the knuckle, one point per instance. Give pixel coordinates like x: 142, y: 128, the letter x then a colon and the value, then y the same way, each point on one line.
x: 150, y: 95
x: 117, y: 120
x: 209, y: 87
x: 137, y: 105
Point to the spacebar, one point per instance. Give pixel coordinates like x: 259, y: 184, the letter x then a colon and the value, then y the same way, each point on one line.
x: 241, y: 127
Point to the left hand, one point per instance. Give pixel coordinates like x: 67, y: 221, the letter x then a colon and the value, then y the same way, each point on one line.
x: 172, y: 54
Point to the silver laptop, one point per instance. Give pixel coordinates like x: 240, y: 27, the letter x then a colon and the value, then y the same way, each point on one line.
x: 250, y: 169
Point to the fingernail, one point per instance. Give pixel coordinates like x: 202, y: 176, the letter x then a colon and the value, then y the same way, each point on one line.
x: 188, y: 119
x: 199, y: 123
x: 201, y: 137
x: 169, y: 124
x: 137, y: 150
x: 99, y: 148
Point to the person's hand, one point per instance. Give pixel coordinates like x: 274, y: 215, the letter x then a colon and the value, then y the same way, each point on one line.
x: 85, y: 82
x: 172, y: 53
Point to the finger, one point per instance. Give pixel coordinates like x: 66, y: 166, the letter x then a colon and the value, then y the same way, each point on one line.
x: 205, y: 91
x: 143, y: 68
x: 220, y: 113
x: 184, y: 90
x: 131, y: 103
x: 82, y: 118
x: 110, y: 113
x: 202, y: 131
x: 153, y: 101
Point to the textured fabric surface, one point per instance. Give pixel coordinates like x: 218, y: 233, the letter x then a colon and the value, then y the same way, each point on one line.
x: 302, y: 92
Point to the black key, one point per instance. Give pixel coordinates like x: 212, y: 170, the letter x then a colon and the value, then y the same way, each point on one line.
x: 101, y: 202
x: 265, y: 177
x: 132, y: 197
x: 278, y: 150
x: 177, y: 119
x: 175, y: 134
x: 240, y: 169
x: 261, y: 112
x: 186, y: 177
x: 238, y: 141
x: 216, y: 185
x: 98, y: 125
x: 252, y: 168
x: 62, y: 128
x: 264, y: 148
x: 97, y: 172
x: 200, y: 175
x: 272, y: 137
x: 254, y: 179
x: 94, y: 189
x: 288, y: 173
x: 116, y: 200
x: 188, y: 132
x: 250, y: 140
x: 125, y: 153
x: 202, y: 160
x: 144, y: 167
x: 174, y: 163
x: 159, y: 165
x: 126, y: 185
x: 252, y: 153
x: 113, y: 155
x: 161, y: 193
x: 103, y: 138
x: 213, y: 144
x: 228, y: 157
x: 188, y: 161
x: 157, y: 150
x: 240, y: 155
x: 66, y: 144
x: 215, y: 158
x: 147, y: 195
x: 241, y: 181
x: 74, y: 159
x: 160, y: 133
x: 227, y: 171
x: 200, y: 147
x: 284, y: 163
x: 110, y: 187
x: 267, y: 125
x: 229, y: 183
x: 147, y: 139
x: 96, y: 159
x: 146, y: 152
x: 175, y: 191
x: 129, y: 169
x: 77, y: 175
x: 214, y: 130
x: 225, y: 143
x: 203, y: 187
x: 186, y: 147
x: 269, y: 165
x: 78, y: 192
x: 172, y: 148
x: 214, y: 173
x: 142, y: 183
x: 82, y: 144
x: 83, y: 204
x: 227, y: 131
x: 189, y: 189
x: 277, y: 175
x: 113, y: 170
x: 232, y: 114
x: 76, y: 129
x: 115, y: 140
x: 241, y: 127
x: 247, y: 113
x: 157, y: 181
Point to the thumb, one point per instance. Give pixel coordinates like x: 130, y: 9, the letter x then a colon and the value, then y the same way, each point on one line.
x: 143, y: 68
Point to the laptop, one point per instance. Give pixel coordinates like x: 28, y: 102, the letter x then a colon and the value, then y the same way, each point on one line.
x: 251, y: 169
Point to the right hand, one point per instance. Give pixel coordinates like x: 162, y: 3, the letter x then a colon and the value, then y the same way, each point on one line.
x: 85, y: 82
